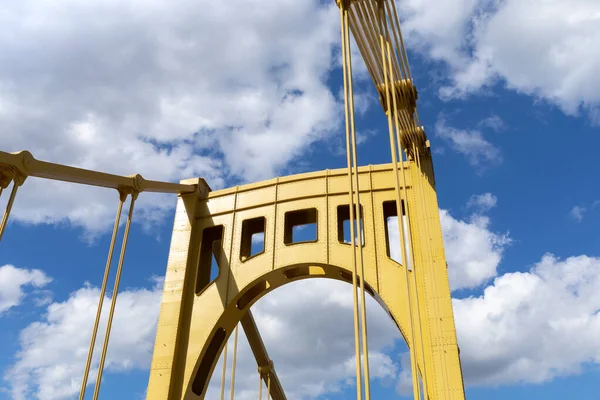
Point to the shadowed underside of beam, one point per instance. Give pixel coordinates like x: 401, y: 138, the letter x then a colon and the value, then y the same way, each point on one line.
x: 260, y: 354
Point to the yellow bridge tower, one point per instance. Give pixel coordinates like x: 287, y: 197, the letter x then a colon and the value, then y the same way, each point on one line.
x: 198, y: 313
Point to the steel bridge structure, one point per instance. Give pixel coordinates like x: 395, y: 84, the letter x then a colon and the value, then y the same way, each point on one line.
x: 199, y: 313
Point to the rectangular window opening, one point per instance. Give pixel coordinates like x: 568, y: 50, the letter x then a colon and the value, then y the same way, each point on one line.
x: 300, y: 226
x: 392, y: 235
x: 210, y: 257
x: 253, y: 238
x: 344, y: 236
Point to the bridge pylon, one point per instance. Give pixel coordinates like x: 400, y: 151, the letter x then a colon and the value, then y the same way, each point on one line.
x: 198, y: 314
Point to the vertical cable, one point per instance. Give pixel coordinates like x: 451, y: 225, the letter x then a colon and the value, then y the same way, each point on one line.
x: 233, y: 363
x: 393, y: 148
x: 122, y: 197
x: 260, y: 384
x: 409, y: 126
x: 224, y: 372
x: 11, y: 200
x: 269, y: 386
x: 113, y: 302
x: 352, y: 238
x: 358, y: 215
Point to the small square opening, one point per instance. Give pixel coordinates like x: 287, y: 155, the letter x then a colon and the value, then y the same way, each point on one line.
x: 253, y: 238
x: 210, y: 257
x: 343, y: 222
x: 300, y: 226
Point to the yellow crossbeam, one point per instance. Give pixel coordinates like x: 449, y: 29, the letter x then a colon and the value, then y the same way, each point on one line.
x: 262, y: 357
x: 23, y: 165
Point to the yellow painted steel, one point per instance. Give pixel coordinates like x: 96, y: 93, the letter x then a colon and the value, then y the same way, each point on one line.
x: 111, y: 249
x: 20, y: 165
x: 194, y: 327
x: 197, y: 315
x: 354, y: 198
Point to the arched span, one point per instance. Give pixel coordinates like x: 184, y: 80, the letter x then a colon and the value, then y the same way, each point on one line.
x: 197, y: 314
x: 248, y: 296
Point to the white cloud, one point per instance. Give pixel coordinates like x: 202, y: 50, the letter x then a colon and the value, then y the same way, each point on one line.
x: 13, y: 280
x: 470, y: 143
x: 525, y: 327
x: 404, y: 384
x: 577, y: 213
x: 437, y: 28
x: 53, y: 350
x: 482, y: 202
x: 258, y: 238
x: 219, y: 90
x: 532, y: 326
x: 321, y: 361
x: 538, y: 47
x: 494, y: 123
x: 50, y: 362
x: 394, y: 239
x: 473, y: 251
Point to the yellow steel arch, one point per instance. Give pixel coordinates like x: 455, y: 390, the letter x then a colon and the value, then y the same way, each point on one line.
x: 197, y: 316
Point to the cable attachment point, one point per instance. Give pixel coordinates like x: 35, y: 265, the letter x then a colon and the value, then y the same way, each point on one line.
x: 5, y: 177
x: 15, y: 168
x: 266, y: 370
x: 344, y: 3
x: 138, y: 185
x: 414, y: 137
x: 406, y: 95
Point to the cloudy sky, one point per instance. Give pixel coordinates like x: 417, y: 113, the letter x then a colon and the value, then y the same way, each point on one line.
x: 237, y: 91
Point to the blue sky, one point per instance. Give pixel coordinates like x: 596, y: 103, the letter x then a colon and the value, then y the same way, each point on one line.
x: 508, y: 95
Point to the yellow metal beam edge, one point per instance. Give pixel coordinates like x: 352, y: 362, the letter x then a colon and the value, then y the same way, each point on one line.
x: 304, y: 176
x: 260, y: 354
x: 27, y: 165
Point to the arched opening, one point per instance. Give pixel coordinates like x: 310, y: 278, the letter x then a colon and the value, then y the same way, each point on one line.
x: 313, y: 314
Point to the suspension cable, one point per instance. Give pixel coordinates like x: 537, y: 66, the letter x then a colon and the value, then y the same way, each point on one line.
x: 113, y: 302
x: 348, y: 115
x: 233, y: 363
x: 122, y: 197
x: 413, y: 265
x: 9, y: 205
x: 359, y: 217
x: 260, y: 383
x: 224, y: 372
x: 391, y: 111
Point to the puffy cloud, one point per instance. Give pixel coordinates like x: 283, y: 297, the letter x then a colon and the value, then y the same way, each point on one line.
x: 532, y: 326
x: 521, y: 329
x: 321, y: 361
x: 540, y: 48
x: 437, y: 28
x: 494, y: 123
x: 473, y: 251
x: 52, y: 354
x: 219, y: 90
x: 482, y: 202
x: 577, y: 213
x: 13, y: 280
x: 470, y: 143
x: 53, y: 350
